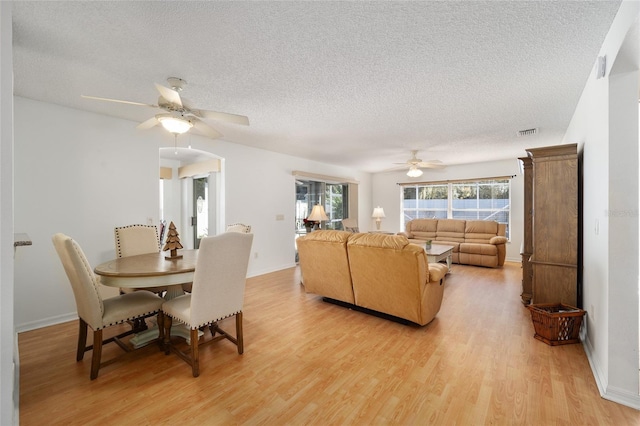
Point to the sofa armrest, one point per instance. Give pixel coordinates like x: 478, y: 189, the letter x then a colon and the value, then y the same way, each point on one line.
x: 437, y: 271
x: 498, y: 240
x: 408, y: 235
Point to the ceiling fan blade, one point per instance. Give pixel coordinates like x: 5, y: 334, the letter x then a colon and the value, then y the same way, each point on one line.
x: 169, y: 94
x: 395, y: 169
x: 224, y: 116
x: 148, y: 124
x: 435, y: 164
x: 205, y: 129
x: 118, y: 101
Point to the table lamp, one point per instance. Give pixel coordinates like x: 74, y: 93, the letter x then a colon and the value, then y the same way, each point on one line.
x: 317, y: 215
x: 378, y: 214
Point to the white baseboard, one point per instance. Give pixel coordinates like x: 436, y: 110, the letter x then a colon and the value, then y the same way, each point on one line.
x: 46, y: 322
x: 610, y: 393
x: 16, y: 380
x: 623, y: 397
x: 598, y: 374
x: 270, y: 270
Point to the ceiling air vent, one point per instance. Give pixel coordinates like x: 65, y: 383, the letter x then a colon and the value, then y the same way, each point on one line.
x: 528, y: 132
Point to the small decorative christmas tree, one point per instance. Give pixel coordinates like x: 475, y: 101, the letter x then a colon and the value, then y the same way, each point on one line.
x: 173, y: 243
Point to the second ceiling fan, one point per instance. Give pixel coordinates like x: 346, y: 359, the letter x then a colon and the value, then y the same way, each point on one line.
x: 179, y: 116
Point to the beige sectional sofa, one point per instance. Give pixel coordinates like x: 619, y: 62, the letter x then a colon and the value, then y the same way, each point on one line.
x: 475, y: 242
x: 383, y: 273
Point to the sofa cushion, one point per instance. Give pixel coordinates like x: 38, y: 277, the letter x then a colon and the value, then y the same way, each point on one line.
x: 318, y: 249
x: 479, y: 248
x: 378, y: 241
x: 451, y: 230
x: 480, y: 231
x: 423, y: 229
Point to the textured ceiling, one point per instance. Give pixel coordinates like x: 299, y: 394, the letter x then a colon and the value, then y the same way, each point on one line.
x: 357, y: 84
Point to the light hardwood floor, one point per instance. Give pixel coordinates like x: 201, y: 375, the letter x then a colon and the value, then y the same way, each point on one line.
x: 310, y: 362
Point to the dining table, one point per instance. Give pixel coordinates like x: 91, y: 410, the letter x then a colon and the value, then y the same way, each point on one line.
x: 151, y: 270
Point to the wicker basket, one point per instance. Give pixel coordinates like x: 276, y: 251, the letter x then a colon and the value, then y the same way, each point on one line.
x: 556, y: 323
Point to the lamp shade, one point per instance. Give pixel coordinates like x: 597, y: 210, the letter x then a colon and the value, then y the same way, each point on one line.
x: 317, y: 214
x: 175, y: 125
x: 414, y: 172
x: 378, y: 212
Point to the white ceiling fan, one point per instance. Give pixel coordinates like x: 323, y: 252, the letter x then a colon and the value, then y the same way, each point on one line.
x: 179, y: 116
x: 415, y: 164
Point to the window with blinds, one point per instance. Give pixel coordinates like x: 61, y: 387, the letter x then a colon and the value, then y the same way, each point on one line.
x: 483, y: 199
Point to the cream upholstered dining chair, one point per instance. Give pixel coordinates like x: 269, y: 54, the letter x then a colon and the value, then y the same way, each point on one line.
x: 132, y: 240
x: 95, y: 312
x: 218, y: 292
x: 239, y: 227
x: 350, y: 225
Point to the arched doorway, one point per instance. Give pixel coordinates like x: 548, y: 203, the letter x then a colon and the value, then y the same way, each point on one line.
x: 190, y: 192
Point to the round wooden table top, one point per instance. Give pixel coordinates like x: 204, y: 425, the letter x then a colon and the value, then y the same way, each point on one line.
x: 149, y: 265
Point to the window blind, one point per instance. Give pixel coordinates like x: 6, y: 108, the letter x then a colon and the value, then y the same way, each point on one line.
x: 439, y: 182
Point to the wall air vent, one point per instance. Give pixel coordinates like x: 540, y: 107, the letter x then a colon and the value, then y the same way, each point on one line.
x: 528, y: 132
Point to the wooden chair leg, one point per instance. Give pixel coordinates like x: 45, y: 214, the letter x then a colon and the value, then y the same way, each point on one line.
x: 239, y: 336
x: 97, y: 353
x: 167, y: 333
x: 160, y: 319
x: 195, y: 356
x: 82, y: 339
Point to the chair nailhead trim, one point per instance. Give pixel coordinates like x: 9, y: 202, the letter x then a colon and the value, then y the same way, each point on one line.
x: 214, y: 320
x: 127, y: 319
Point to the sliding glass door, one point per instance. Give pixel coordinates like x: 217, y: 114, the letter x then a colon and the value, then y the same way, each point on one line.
x: 339, y: 200
x: 200, y: 218
x: 332, y: 196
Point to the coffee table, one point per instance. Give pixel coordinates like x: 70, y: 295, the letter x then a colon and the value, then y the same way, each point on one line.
x: 439, y: 252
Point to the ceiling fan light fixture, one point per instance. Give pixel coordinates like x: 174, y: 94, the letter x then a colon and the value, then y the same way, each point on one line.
x: 175, y: 125
x: 414, y: 172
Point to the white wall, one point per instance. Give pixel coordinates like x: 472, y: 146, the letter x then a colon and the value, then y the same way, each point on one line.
x: 9, y: 383
x: 606, y: 122
x: 259, y: 185
x: 83, y: 174
x: 80, y: 174
x: 171, y: 193
x: 386, y: 194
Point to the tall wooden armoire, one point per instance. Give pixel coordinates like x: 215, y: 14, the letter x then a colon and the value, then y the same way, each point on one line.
x: 554, y: 243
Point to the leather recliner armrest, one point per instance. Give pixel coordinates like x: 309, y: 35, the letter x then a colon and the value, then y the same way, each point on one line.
x: 498, y: 240
x: 437, y: 271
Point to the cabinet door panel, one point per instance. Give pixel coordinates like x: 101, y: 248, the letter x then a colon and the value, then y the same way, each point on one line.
x: 554, y: 284
x: 555, y: 217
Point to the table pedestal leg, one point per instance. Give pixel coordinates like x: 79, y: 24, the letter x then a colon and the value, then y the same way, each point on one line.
x: 177, y: 329
x: 145, y: 337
